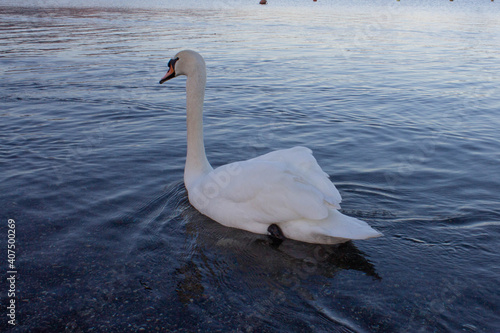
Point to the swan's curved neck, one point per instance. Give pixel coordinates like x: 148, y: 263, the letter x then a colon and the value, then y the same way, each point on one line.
x: 196, y: 161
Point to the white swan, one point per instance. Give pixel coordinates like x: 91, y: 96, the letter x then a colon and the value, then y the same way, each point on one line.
x: 284, y: 192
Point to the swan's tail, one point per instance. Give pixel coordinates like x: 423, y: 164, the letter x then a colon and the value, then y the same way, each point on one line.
x: 340, y: 225
x: 336, y: 228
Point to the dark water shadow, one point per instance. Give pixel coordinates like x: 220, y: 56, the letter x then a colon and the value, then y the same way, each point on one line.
x: 214, y: 252
x: 168, y: 255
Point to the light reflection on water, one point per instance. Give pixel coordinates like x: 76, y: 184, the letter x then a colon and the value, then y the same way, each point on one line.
x: 399, y: 105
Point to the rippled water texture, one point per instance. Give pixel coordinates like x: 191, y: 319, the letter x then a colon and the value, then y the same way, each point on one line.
x: 398, y: 101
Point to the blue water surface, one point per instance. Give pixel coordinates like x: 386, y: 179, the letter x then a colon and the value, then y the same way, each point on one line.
x: 398, y: 100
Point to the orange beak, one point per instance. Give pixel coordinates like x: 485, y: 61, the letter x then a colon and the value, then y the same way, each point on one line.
x: 171, y: 71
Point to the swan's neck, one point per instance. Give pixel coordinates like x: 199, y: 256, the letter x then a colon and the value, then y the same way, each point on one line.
x: 197, y: 164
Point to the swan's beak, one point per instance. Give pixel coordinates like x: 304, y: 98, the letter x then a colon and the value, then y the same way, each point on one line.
x: 171, y: 70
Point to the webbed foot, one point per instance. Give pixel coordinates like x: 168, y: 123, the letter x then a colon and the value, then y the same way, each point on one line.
x: 276, y: 234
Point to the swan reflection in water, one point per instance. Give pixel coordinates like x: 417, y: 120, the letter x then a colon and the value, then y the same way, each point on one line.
x: 203, y: 271
x: 219, y: 257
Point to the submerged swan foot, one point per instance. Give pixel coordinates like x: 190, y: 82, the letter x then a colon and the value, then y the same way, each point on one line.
x: 276, y: 235
x: 275, y: 232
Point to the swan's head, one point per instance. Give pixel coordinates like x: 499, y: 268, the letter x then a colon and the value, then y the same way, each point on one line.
x: 186, y: 62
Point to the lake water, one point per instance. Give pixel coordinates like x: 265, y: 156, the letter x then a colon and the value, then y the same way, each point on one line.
x: 399, y: 101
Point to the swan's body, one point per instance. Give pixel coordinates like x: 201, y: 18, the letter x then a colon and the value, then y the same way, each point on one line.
x: 286, y: 187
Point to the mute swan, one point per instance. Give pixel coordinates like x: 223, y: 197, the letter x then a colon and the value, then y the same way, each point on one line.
x: 284, y: 193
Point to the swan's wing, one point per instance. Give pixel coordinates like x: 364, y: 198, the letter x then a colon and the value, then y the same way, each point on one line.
x: 261, y: 191
x: 303, y: 164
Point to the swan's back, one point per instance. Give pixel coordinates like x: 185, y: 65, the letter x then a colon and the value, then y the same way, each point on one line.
x: 303, y: 164
x: 285, y: 187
